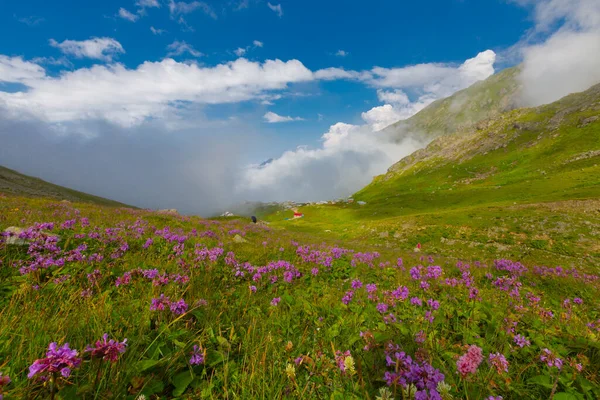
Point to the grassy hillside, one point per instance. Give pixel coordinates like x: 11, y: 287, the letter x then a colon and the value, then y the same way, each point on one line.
x: 523, y: 184
x: 276, y: 315
x: 15, y: 183
x: 461, y: 111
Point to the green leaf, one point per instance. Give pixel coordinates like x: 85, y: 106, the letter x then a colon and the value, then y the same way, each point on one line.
x: 146, y: 364
x: 542, y: 380
x: 214, y: 358
x: 181, y: 381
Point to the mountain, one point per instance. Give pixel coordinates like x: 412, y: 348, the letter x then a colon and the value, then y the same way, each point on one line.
x: 523, y: 184
x: 15, y: 183
x: 459, y: 112
x: 543, y: 154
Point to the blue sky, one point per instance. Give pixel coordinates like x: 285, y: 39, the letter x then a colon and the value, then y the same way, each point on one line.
x: 232, y: 83
x: 376, y: 33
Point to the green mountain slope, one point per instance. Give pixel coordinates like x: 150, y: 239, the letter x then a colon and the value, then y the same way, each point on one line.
x: 15, y: 183
x: 524, y: 184
x: 463, y: 109
x: 542, y: 154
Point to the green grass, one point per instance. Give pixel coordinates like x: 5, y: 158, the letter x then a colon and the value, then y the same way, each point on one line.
x: 249, y: 344
x: 16, y: 183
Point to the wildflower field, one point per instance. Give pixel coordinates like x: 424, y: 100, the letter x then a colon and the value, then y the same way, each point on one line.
x: 116, y: 303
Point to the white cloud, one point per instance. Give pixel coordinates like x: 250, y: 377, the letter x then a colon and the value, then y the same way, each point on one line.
x: 347, y: 160
x: 153, y: 89
x: 562, y: 54
x: 436, y: 78
x: 61, y: 61
x: 257, y: 43
x: 339, y: 73
x: 157, y: 31
x: 276, y: 8
x: 568, y: 62
x: 15, y: 69
x: 177, y: 8
x: 273, y: 118
x: 341, y: 53
x: 396, y: 96
x: 129, y: 16
x: 178, y: 48
x: 147, y: 3
x: 239, y: 51
x: 430, y: 81
x: 96, y: 48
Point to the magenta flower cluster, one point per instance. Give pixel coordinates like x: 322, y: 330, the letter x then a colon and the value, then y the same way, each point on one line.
x: 107, y: 350
x: 469, y: 362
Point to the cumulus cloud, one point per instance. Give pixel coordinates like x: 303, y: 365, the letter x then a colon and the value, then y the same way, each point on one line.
x: 257, y: 43
x: 17, y: 70
x: 129, y: 16
x: 149, y: 91
x: 429, y: 81
x: 348, y: 159
x: 272, y: 118
x: 341, y: 53
x: 178, y: 48
x: 564, y: 60
x: 240, y: 51
x: 96, y: 48
x: 276, y: 8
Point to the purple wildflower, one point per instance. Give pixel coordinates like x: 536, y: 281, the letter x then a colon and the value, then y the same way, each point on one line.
x: 252, y: 288
x: 371, y: 288
x: 382, y: 307
x: 58, y: 359
x: 356, y: 284
x: 348, y: 297
x: 178, y: 307
x: 314, y: 271
x: 416, y: 301
x: 498, y: 361
x: 521, y: 341
x: 107, y: 350
x: 159, y: 303
x: 434, y: 304
x: 550, y: 359
x: 275, y: 301
x: 197, y: 356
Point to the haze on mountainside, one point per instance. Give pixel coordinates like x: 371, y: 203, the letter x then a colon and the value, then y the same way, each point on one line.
x: 140, y: 134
